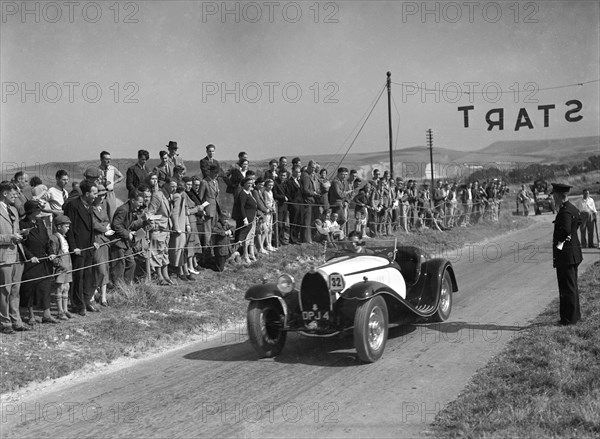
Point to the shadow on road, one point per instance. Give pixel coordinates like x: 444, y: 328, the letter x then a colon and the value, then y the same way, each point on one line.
x: 452, y: 327
x: 313, y: 351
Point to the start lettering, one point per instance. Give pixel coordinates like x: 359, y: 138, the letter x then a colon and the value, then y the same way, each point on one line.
x: 495, y: 116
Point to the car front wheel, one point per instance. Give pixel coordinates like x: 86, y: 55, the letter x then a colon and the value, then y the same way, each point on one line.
x: 265, y: 327
x: 371, y: 329
x: 445, y: 301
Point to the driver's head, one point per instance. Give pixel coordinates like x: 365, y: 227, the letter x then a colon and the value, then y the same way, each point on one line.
x: 354, y: 239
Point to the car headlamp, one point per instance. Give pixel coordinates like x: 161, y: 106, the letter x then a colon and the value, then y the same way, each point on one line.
x: 285, y: 283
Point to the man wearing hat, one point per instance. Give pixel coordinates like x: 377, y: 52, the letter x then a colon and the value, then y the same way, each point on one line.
x: 173, y: 158
x: 566, y: 253
x: 37, y: 249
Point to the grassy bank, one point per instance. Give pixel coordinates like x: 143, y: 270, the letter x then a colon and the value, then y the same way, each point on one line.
x: 546, y: 383
x: 147, y: 318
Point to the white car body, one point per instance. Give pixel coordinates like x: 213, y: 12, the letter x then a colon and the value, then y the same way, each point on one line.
x: 355, y: 269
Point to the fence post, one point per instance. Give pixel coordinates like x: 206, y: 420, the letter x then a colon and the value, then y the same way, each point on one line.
x: 148, y: 271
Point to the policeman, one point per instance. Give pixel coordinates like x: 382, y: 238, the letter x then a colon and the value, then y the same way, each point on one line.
x: 566, y: 254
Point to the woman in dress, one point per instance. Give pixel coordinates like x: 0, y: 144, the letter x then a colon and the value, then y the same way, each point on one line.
x: 193, y: 238
x: 179, y: 232
x: 259, y: 237
x: 160, y: 209
x: 244, y: 213
x: 268, y: 218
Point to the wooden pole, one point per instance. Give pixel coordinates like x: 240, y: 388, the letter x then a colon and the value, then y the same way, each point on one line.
x: 389, y: 90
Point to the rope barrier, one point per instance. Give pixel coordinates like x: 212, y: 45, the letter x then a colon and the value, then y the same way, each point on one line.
x: 70, y: 271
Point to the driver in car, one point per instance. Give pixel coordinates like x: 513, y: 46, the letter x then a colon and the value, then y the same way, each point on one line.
x: 358, y: 246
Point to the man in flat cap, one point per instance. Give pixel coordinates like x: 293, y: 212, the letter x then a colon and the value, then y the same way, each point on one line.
x: 566, y: 253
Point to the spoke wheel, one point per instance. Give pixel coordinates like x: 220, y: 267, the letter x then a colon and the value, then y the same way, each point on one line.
x: 445, y: 299
x: 371, y: 329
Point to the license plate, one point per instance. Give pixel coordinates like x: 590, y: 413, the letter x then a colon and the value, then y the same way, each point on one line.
x: 315, y: 315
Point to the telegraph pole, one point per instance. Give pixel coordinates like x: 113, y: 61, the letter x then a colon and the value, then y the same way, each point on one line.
x: 430, y: 144
x: 389, y: 91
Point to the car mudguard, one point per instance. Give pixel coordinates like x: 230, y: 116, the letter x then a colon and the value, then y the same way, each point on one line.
x: 289, y: 302
x: 367, y: 289
x: 424, y: 294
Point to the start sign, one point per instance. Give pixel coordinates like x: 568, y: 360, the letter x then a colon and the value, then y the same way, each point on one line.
x: 495, y: 116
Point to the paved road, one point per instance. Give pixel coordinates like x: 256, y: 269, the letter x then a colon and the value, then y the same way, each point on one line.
x: 316, y: 388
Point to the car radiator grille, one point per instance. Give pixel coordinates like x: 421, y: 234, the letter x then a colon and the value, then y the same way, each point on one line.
x: 314, y: 291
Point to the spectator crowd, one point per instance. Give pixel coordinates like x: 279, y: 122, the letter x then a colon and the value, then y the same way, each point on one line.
x: 73, y: 245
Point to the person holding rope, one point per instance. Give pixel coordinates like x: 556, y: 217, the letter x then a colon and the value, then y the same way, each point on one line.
x: 37, y: 283
x: 125, y: 223
x: 160, y: 208
x: 81, y: 242
x: 244, y: 214
x: 12, y: 257
x: 102, y: 234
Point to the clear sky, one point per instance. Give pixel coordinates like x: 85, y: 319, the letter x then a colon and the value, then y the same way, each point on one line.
x: 286, y: 78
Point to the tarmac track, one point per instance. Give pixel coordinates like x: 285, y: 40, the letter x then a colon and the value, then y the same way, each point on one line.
x: 316, y: 387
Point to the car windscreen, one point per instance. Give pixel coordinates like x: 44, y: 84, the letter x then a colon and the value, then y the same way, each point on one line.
x: 378, y: 247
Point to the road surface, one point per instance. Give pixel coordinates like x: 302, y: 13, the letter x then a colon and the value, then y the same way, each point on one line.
x: 316, y: 388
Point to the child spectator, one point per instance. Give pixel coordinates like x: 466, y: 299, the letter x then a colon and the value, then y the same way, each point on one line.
x: 62, y: 265
x: 335, y: 229
x: 223, y: 231
x: 322, y: 234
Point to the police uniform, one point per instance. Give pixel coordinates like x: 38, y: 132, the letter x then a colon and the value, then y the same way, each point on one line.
x: 567, y: 259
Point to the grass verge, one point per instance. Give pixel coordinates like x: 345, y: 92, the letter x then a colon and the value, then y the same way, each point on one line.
x: 546, y: 383
x: 146, y: 318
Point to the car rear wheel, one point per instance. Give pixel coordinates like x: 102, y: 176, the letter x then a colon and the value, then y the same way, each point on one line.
x: 265, y: 327
x: 371, y: 329
x: 445, y: 301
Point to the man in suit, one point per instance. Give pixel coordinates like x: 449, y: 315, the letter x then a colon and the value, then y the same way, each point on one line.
x: 20, y: 180
x: 173, y: 158
x: 12, y: 257
x: 80, y: 238
x: 209, y: 160
x: 138, y: 173
x: 209, y: 193
x: 294, y: 196
x: 109, y: 177
x: 310, y: 210
x: 339, y: 195
x: 125, y: 223
x: 566, y: 254
x: 280, y: 196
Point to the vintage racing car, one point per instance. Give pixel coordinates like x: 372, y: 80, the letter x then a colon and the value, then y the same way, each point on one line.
x: 363, y: 292
x: 543, y: 201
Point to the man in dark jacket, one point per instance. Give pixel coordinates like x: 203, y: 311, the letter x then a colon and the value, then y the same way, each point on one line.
x: 81, y: 238
x: 280, y: 196
x: 138, y: 173
x: 566, y: 254
x: 125, y: 223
